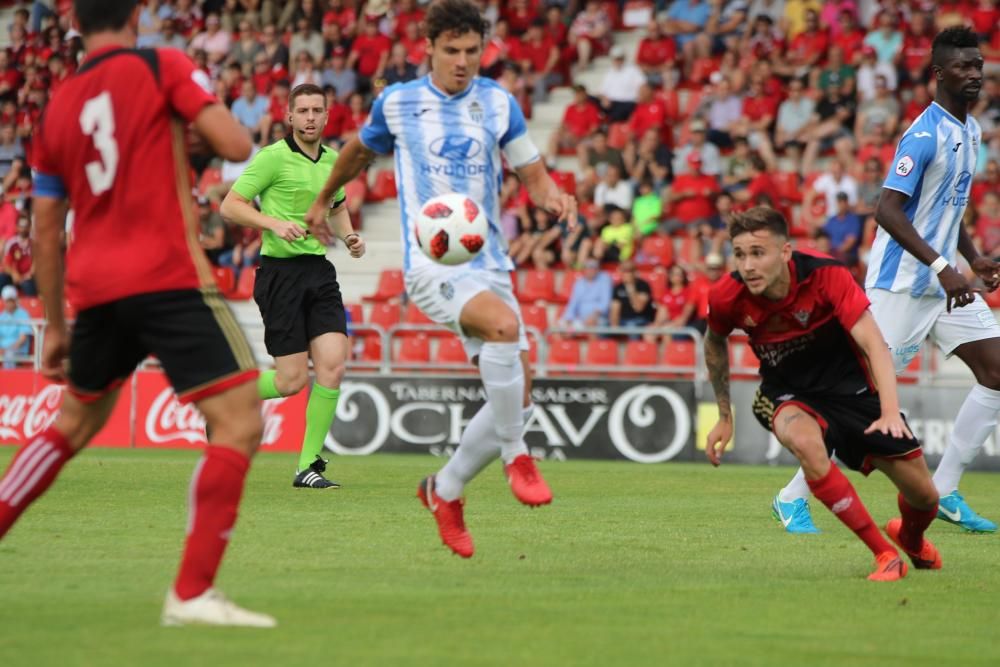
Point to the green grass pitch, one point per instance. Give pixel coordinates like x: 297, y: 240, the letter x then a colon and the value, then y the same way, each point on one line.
x: 632, y: 565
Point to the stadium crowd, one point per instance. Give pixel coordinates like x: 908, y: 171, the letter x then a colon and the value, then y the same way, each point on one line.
x: 797, y: 104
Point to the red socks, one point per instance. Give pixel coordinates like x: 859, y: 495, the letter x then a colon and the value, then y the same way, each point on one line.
x: 214, y: 498
x: 837, y: 493
x: 915, y: 522
x: 32, y: 471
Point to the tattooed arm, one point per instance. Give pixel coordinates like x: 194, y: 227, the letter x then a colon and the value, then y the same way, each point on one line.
x: 717, y: 361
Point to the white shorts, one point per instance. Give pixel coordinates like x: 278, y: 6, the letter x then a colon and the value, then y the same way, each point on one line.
x: 906, y: 322
x: 442, y: 292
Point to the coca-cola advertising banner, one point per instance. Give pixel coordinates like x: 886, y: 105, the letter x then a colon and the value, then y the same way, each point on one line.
x: 147, y: 414
x: 615, y: 419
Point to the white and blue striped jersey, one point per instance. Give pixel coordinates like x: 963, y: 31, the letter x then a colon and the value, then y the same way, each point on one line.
x: 450, y: 143
x: 934, y: 164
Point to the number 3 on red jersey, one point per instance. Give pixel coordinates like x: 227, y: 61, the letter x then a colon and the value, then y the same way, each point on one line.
x: 97, y: 120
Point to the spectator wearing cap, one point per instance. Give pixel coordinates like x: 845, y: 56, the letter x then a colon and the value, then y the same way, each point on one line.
x: 701, y: 285
x: 684, y: 20
x: 15, y: 329
x: 844, y: 228
x: 580, y: 120
x: 399, y: 69
x: 690, y: 197
x: 339, y: 75
x: 830, y: 127
x: 539, y: 58
x: 632, y: 300
x: 871, y: 68
x: 590, y: 300
x: 657, y: 55
x: 708, y: 154
x: 215, y: 42
x: 614, y: 190
x: 589, y: 33
x: 18, y: 267
x: 620, y: 87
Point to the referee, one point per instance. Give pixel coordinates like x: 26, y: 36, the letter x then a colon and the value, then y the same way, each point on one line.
x: 296, y: 287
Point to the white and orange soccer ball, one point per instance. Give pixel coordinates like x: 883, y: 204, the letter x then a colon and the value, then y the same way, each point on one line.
x: 451, y: 229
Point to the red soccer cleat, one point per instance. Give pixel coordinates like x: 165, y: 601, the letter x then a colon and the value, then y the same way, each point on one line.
x: 450, y: 521
x: 888, y: 567
x: 928, y: 558
x: 526, y: 482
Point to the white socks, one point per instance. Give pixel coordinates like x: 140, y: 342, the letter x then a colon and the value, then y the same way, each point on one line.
x: 503, y: 378
x: 478, y: 448
x: 796, y: 488
x: 976, y: 419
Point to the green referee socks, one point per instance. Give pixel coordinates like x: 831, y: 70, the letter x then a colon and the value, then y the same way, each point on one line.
x: 320, y: 411
x: 266, y: 387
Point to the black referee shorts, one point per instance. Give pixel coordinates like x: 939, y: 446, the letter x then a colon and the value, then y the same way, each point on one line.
x: 192, y: 333
x: 299, y: 299
x: 843, y: 420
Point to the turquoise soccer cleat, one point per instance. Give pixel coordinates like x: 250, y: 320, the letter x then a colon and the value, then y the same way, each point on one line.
x: 794, y: 516
x: 953, y: 509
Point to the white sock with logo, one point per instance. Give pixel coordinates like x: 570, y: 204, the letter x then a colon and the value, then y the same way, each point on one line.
x: 795, y: 489
x: 976, y: 419
x: 503, y: 377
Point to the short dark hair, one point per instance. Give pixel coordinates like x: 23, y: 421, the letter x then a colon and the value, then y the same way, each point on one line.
x: 950, y: 39
x: 98, y: 15
x: 454, y: 16
x: 305, y: 89
x: 758, y: 218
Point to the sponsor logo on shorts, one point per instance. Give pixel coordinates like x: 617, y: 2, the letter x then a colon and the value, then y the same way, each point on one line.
x: 447, y: 291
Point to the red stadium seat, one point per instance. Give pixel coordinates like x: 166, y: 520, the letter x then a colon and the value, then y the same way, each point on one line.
x: 657, y: 279
x: 642, y: 354
x: 602, y: 352
x: 390, y: 286
x: 34, y: 306
x: 384, y: 187
x: 244, y: 286
x: 566, y: 286
x: 532, y: 349
x: 538, y: 285
x: 657, y: 250
x: 414, y: 350
x: 385, y: 315
x: 788, y: 186
x: 451, y: 351
x: 679, y: 353
x: 372, y: 350
x: 535, y: 316
x: 356, y: 312
x: 416, y: 316
x: 225, y: 279
x: 564, y: 352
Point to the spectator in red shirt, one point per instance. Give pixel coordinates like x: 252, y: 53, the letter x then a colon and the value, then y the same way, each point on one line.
x: 988, y: 182
x: 759, y: 111
x: 415, y: 43
x: 677, y: 305
x: 579, y: 121
x: 279, y: 101
x: 806, y: 51
x: 690, y: 197
x: 539, y: 58
x: 555, y: 27
x: 520, y: 14
x: 850, y: 37
x: 657, y: 55
x: 590, y: 32
x: 500, y: 47
x: 760, y: 184
x: 407, y: 13
x: 878, y: 145
x: 988, y: 223
x: 369, y: 54
x: 343, y: 14
x: 650, y: 113
x: 10, y: 77
x: 920, y: 100
x: 18, y: 267
x: 915, y: 57
x: 338, y: 116
x: 715, y: 270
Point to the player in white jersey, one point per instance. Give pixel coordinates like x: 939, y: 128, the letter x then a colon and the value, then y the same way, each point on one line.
x: 450, y: 131
x: 914, y: 288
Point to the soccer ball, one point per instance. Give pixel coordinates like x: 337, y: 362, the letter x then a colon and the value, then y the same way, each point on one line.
x: 451, y: 229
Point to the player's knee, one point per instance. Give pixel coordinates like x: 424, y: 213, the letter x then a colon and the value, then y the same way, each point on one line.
x: 246, y: 432
x: 990, y: 377
x: 505, y: 329
x: 925, y: 497
x: 330, y: 375
x: 805, y: 446
x: 294, y: 382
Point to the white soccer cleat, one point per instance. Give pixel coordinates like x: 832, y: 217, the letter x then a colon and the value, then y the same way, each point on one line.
x: 211, y: 608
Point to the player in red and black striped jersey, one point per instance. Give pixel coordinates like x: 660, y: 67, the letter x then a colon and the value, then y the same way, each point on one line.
x: 112, y: 146
x: 827, y: 383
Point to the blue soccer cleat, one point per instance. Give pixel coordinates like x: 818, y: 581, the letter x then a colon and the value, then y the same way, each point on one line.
x: 953, y: 509
x: 794, y: 516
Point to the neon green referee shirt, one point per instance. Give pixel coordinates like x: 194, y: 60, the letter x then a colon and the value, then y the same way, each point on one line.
x: 287, y: 182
